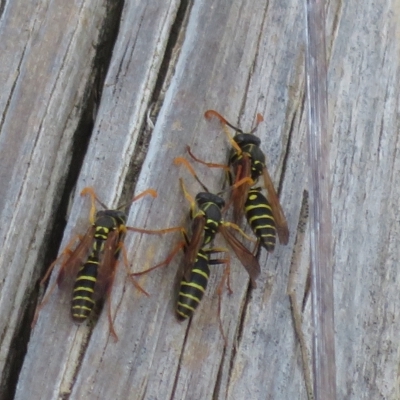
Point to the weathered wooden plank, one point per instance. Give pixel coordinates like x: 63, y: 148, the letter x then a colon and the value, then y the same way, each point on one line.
x: 45, y: 71
x: 241, y: 58
x: 155, y: 356
x: 56, y: 345
x: 364, y: 90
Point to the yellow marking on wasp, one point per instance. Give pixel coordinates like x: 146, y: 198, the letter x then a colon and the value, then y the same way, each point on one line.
x: 268, y: 235
x: 99, y: 234
x: 181, y: 314
x: 92, y: 261
x: 193, y: 285
x: 256, y: 217
x: 185, y: 306
x: 81, y: 308
x: 189, y: 296
x: 81, y: 316
x: 200, y: 272
x: 86, y: 278
x: 259, y: 228
x: 266, y: 227
x: 84, y: 289
x: 257, y: 206
x: 83, y: 298
x: 102, y: 229
x: 203, y: 257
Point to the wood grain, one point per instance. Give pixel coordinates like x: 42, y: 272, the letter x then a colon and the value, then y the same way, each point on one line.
x: 239, y: 58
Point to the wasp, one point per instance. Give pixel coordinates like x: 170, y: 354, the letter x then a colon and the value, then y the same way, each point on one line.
x: 206, y: 221
x: 247, y: 164
x: 191, y: 290
x: 93, y: 260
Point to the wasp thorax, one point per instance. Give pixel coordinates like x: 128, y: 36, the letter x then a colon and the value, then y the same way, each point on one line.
x: 204, y: 198
x: 110, y: 218
x: 243, y: 139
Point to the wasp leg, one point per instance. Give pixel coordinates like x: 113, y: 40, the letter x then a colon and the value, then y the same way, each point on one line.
x: 181, y: 160
x: 154, y: 231
x: 173, y: 253
x: 225, y: 278
x: 126, y: 264
x: 108, y: 297
x: 236, y: 227
x: 210, y: 165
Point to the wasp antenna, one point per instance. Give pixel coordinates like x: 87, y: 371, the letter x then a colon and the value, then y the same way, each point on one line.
x: 231, y: 141
x: 260, y: 119
x: 93, y: 198
x: 212, y: 113
x: 151, y: 192
x: 189, y: 198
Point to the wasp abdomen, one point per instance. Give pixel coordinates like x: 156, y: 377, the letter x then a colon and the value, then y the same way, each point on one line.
x: 83, y: 294
x: 259, y: 215
x: 191, y: 292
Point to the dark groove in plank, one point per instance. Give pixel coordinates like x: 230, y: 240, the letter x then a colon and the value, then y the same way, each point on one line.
x: 161, y: 85
x: 178, y: 28
x: 53, y: 239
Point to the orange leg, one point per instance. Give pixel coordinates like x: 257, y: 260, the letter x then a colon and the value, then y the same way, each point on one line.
x: 108, y: 297
x: 225, y: 278
x: 126, y: 264
x: 110, y: 322
x: 109, y: 286
x: 236, y: 227
x: 155, y: 231
x: 210, y: 165
x: 173, y: 253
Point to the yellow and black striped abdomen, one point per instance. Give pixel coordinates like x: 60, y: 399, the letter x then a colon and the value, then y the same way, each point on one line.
x: 191, y: 292
x: 83, y: 295
x: 259, y: 215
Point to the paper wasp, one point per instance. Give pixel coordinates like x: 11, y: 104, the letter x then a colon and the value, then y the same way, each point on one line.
x: 206, y: 216
x: 246, y: 160
x: 92, y: 260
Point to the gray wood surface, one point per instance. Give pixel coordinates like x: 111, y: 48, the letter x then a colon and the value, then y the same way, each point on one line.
x: 239, y: 58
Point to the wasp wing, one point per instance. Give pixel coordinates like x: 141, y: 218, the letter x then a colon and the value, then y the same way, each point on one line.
x: 194, y: 245
x: 242, y: 169
x: 277, y: 212
x: 107, y: 265
x: 244, y: 255
x: 69, y: 268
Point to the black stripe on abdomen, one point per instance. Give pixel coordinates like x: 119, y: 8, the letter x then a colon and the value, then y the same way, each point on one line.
x: 83, y: 294
x: 260, y: 218
x: 191, y: 292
